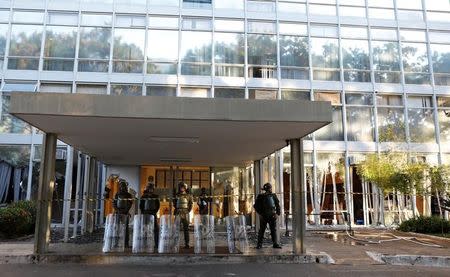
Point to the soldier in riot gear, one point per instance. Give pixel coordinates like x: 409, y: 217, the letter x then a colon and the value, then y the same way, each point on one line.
x: 122, y: 203
x: 204, y: 201
x: 149, y: 205
x: 183, y: 206
x: 267, y: 206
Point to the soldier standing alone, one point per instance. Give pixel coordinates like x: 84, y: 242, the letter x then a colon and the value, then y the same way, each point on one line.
x: 267, y: 206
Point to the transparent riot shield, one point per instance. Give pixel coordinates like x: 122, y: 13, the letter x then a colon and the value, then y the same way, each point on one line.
x: 114, y: 237
x: 165, y: 234
x: 204, y: 234
x: 175, y: 247
x: 229, y: 222
x: 240, y: 229
x: 143, y: 234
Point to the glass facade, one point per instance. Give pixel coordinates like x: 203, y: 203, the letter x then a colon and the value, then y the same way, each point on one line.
x: 384, y: 65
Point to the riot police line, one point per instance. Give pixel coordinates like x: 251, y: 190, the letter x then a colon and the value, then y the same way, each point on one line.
x: 150, y: 237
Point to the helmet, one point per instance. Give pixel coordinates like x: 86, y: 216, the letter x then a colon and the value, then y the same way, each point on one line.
x: 182, y: 184
x: 267, y: 187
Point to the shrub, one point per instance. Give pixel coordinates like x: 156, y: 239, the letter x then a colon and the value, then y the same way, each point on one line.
x: 18, y: 219
x: 426, y: 225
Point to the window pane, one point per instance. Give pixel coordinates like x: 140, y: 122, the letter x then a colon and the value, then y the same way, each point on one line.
x: 261, y: 27
x: 161, y: 91
x: 229, y: 48
x: 381, y: 14
x: 262, y: 49
x: 352, y: 11
x: 25, y: 40
x: 389, y: 100
x: 293, y: 29
x: 322, y: 10
x: 415, y: 59
x: 358, y: 99
x: 196, y: 24
x: 287, y: 7
x: 127, y: 90
x: 391, y: 125
x: 444, y: 125
x: 96, y: 19
x: 60, y: 42
x: 170, y: 3
x: 130, y: 21
x: 57, y: 18
x: 333, y: 131
x: 162, y: 45
x: 381, y: 3
x: 261, y: 6
x: 410, y: 4
x: 287, y: 94
x: 412, y: 35
x: 325, y: 53
x: 262, y: 94
x: 360, y: 124
x: 420, y: 102
x: 441, y: 58
x: 55, y: 88
x: 230, y: 4
x: 334, y: 98
x: 229, y: 93
x: 95, y: 43
x: 9, y: 123
x: 383, y: 34
x: 3, y: 32
x: 294, y: 51
x: 229, y: 25
x: 386, y: 56
x: 91, y: 89
x: 421, y: 125
x: 129, y: 44
x: 355, y: 54
x: 194, y: 92
x: 354, y: 32
x: 196, y: 47
x: 28, y: 17
x: 162, y: 22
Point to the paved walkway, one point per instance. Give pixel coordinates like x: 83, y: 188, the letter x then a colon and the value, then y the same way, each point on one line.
x: 341, y: 248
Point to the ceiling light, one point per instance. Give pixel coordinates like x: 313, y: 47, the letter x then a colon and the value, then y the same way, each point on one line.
x: 175, y: 139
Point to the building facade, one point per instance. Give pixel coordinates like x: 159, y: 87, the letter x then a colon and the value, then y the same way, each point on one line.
x: 383, y: 64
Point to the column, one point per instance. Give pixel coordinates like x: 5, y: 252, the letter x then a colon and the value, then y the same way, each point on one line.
x: 258, y: 179
x: 45, y: 194
x: 298, y: 196
x: 68, y: 192
x: 91, y: 195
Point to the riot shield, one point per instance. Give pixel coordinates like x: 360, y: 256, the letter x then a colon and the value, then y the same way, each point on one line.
x: 143, y: 234
x: 165, y: 234
x: 175, y: 247
x: 240, y: 228
x: 229, y: 222
x: 204, y: 234
x: 114, y: 237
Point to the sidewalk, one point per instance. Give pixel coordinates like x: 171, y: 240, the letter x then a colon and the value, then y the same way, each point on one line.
x: 322, y: 247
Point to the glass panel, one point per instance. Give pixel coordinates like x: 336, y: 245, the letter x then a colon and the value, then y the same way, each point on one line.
x: 262, y: 49
x: 229, y: 25
x: 55, y: 88
x: 354, y: 32
x: 386, y: 56
x: 262, y: 94
x: 25, y: 40
x: 295, y: 8
x: 443, y: 101
x: 261, y: 27
x: 352, y: 11
x: 171, y: 3
x: 294, y: 51
x: 355, y: 54
x: 389, y: 100
x: 322, y: 10
x: 196, y: 47
x: 95, y: 42
x: 359, y: 99
x: 91, y: 89
x: 60, y: 42
x: 391, y: 125
x: 129, y: 44
x: 196, y: 24
x: 4, y: 15
x: 28, y: 17
x: 293, y: 29
x: 162, y: 45
x: 229, y: 93
x: 17, y: 156
x: 324, y: 30
x: 381, y: 14
x: 57, y: 18
x: 325, y: 53
x: 412, y: 35
x: 441, y: 58
x: 419, y: 102
x: 381, y: 3
x: 194, y: 92
x: 410, y: 4
x: 410, y: 15
x: 421, y: 125
x: 444, y: 126
x: 130, y: 21
x: 415, y: 58
x: 333, y: 97
x: 9, y: 123
x: 88, y: 19
x: 287, y: 94
x: 383, y: 34
x: 161, y: 91
x: 128, y: 90
x: 162, y: 22
x: 261, y: 6
x: 3, y: 32
x: 333, y: 131
x: 229, y: 48
x: 360, y: 124
x: 437, y: 16
x: 230, y: 4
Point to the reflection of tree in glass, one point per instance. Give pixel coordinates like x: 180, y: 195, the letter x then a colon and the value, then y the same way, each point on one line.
x: 386, y: 56
x: 262, y: 49
x: 61, y: 45
x: 95, y: 43
x: 391, y: 126
x: 421, y: 125
x: 9, y: 123
x: 294, y: 51
x: 329, y: 56
x: 441, y: 61
x: 231, y: 51
x: 27, y: 45
x: 17, y: 156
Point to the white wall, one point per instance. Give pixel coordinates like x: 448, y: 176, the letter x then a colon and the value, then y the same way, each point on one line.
x: 129, y: 173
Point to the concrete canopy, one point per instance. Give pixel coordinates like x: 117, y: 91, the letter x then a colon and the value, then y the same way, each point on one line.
x: 138, y: 130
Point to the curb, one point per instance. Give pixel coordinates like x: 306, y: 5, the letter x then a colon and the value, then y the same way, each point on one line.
x: 416, y: 260
x: 149, y: 259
